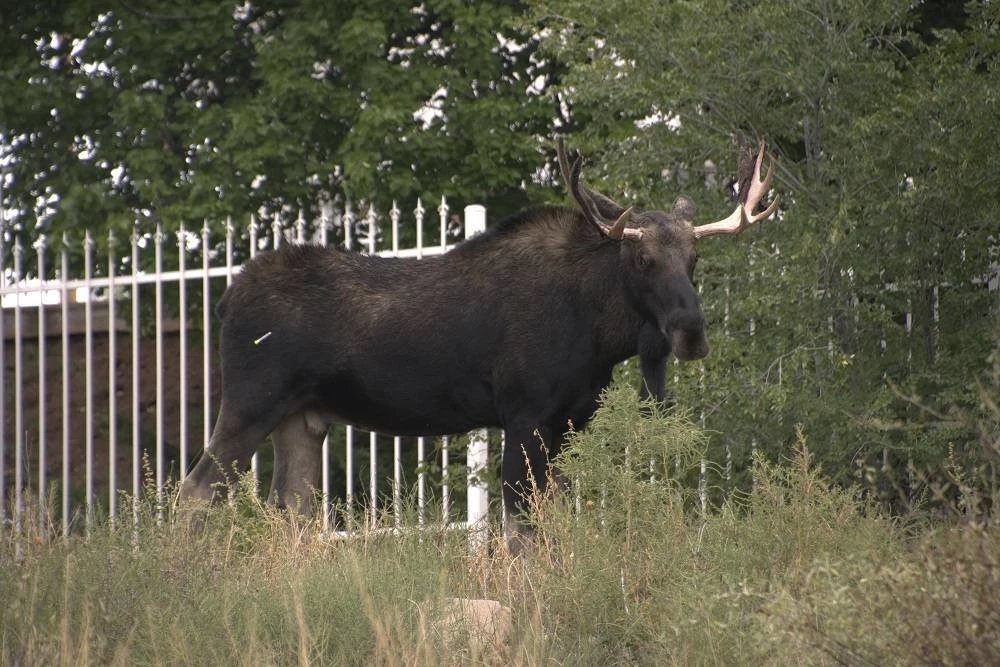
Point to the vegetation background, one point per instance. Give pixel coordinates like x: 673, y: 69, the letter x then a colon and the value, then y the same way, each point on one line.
x: 863, y: 313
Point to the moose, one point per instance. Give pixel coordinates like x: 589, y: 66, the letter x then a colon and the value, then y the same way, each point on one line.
x: 518, y: 328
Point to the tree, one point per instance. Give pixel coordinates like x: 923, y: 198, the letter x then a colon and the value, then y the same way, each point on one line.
x: 174, y: 112
x: 870, y: 286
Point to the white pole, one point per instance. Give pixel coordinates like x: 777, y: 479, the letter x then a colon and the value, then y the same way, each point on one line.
x: 207, y: 363
x: 373, y: 477
x: 394, y: 215
x: 421, y: 481
x: 418, y: 213
x: 397, y: 482
x: 206, y: 326
x: 478, y: 451
x: 112, y: 387
x: 18, y: 399
x: 443, y: 218
x: 136, y: 414
x: 42, y: 466
x: 348, y: 220
x: 64, y: 344
x: 3, y: 395
x: 88, y: 249
x: 326, y: 483
x: 160, y: 401
x: 182, y: 370
x: 445, y: 486
x: 349, y: 471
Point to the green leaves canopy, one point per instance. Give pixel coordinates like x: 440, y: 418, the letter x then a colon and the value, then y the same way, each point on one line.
x: 179, y: 111
x: 882, y: 115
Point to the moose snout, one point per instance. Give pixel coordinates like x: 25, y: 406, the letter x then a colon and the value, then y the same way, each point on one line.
x: 689, y: 346
x: 686, y: 332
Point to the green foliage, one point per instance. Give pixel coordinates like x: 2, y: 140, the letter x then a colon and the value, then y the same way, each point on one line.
x: 869, y: 285
x: 250, y: 585
x: 640, y: 578
x: 934, y: 605
x: 176, y: 112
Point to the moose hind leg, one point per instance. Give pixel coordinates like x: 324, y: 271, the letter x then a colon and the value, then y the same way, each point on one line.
x: 235, y: 438
x: 298, y: 449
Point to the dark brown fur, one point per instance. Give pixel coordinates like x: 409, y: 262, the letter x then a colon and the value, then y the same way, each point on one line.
x: 518, y: 328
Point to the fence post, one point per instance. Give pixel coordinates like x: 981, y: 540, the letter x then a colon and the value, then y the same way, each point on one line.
x: 477, y: 455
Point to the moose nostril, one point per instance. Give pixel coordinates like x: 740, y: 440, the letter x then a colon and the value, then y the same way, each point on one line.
x: 689, y: 344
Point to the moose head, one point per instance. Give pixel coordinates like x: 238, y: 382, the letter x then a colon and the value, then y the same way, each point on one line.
x: 658, y: 253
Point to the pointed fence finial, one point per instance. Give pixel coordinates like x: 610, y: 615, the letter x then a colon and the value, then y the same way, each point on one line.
x: 372, y: 220
x: 394, y: 216
x: 300, y: 228
x: 443, y: 218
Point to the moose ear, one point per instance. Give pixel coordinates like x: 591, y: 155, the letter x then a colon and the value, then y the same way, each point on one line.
x: 683, y: 209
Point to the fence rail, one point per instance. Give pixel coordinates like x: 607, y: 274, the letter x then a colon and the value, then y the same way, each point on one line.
x: 86, y: 417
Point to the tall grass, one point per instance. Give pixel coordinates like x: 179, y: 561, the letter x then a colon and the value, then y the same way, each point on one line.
x: 627, y: 570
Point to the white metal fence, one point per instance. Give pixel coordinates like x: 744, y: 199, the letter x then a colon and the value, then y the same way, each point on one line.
x: 94, y: 369
x: 109, y: 378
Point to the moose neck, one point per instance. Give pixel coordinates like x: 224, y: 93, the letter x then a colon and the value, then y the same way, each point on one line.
x: 618, y: 322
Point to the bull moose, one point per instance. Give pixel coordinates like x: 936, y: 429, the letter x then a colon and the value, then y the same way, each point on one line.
x: 518, y: 328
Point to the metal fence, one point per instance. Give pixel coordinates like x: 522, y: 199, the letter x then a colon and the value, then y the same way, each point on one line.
x: 110, y: 379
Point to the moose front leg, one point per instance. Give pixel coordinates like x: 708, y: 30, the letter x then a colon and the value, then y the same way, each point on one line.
x: 525, y: 473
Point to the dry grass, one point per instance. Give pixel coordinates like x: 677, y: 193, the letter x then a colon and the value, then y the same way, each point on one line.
x: 625, y: 573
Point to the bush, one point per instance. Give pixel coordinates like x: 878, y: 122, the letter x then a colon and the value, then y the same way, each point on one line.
x: 640, y: 574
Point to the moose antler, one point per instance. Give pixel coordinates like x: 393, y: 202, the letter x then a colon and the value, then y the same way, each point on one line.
x: 587, y: 199
x: 744, y: 216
